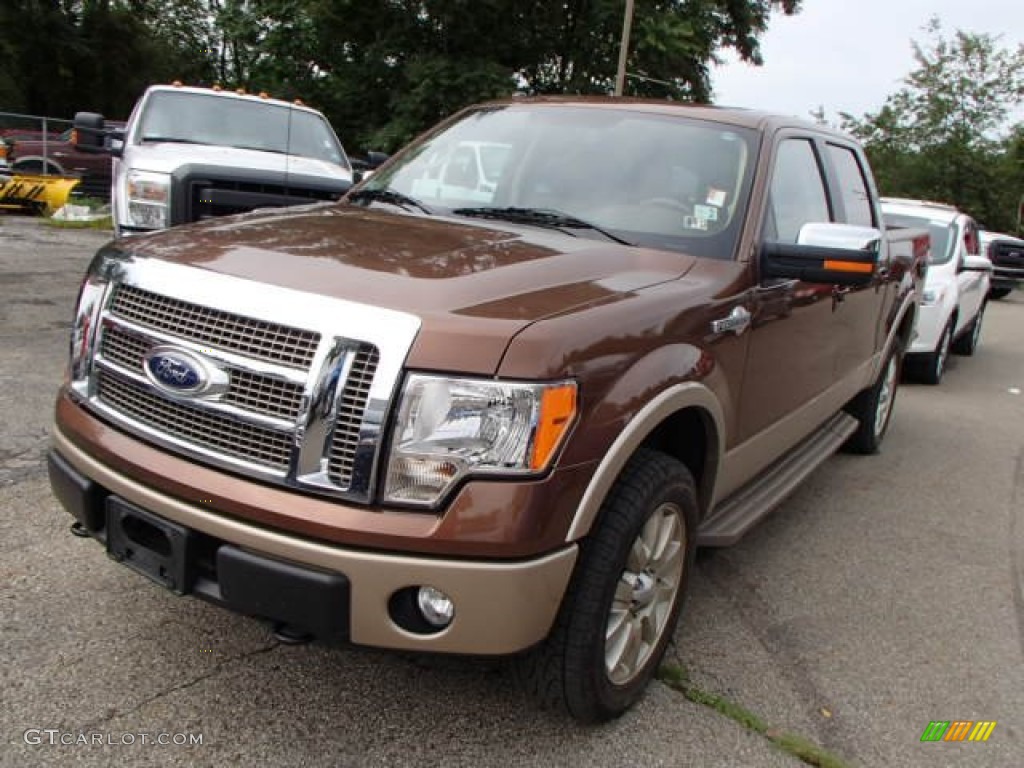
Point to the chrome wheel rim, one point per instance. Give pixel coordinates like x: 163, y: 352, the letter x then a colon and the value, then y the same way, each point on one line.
x: 885, y: 397
x: 645, y: 594
x: 977, y: 331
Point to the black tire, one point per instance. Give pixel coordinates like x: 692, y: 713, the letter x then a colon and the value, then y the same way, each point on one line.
x: 569, y: 670
x: 968, y: 342
x: 929, y: 368
x: 873, y: 407
x: 999, y: 293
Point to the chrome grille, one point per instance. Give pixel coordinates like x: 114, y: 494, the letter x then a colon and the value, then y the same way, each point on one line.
x: 299, y: 384
x: 248, y: 442
x: 266, y: 341
x: 125, y: 349
x: 264, y: 394
x: 257, y: 392
x: 351, y: 407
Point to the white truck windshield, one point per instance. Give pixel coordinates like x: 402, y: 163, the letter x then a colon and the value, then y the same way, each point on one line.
x: 196, y: 118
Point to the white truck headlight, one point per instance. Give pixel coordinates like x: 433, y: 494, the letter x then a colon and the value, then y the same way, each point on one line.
x: 448, y: 428
x: 148, y: 197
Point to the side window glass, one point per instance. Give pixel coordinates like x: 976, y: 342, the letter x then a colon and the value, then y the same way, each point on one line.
x: 852, y: 187
x: 797, y: 194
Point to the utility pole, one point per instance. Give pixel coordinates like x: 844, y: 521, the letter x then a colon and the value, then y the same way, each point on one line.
x: 627, y: 25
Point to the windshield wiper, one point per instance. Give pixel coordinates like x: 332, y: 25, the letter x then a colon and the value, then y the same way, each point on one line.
x: 258, y: 149
x: 390, y: 196
x: 541, y: 217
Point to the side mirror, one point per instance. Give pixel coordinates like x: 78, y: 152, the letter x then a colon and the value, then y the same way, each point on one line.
x: 376, y: 159
x: 973, y: 263
x: 837, y: 254
x: 89, y: 134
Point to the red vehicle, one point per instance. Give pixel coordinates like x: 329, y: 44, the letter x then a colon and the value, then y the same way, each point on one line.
x: 58, y: 155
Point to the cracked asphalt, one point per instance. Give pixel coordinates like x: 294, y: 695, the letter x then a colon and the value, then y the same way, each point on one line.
x: 885, y: 593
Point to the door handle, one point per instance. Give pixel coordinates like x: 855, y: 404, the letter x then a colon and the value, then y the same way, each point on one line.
x: 736, y: 321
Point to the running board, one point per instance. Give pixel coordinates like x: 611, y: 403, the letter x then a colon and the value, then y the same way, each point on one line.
x: 734, y: 516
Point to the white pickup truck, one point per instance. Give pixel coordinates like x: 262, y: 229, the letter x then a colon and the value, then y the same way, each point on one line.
x: 189, y: 153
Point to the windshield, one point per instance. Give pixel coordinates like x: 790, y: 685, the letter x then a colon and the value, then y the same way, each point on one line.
x: 652, y: 180
x: 941, y: 234
x: 196, y: 118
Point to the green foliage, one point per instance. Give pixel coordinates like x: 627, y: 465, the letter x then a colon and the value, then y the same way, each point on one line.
x: 943, y: 136
x: 677, y: 678
x: 382, y: 70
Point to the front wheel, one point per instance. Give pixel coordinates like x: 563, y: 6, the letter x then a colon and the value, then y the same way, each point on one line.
x: 999, y: 293
x: 625, y: 596
x: 37, y: 167
x: 930, y: 367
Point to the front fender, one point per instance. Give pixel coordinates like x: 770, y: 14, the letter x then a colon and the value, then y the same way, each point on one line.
x: 638, y: 427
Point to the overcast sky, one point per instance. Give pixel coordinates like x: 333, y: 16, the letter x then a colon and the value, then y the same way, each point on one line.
x: 848, y: 55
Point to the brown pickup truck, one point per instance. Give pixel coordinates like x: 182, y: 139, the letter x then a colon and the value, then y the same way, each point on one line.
x: 492, y: 401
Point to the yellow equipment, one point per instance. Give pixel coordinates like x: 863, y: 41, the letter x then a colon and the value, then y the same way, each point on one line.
x: 33, y: 192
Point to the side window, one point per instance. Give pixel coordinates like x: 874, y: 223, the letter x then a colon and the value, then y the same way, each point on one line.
x: 797, y: 194
x: 852, y: 188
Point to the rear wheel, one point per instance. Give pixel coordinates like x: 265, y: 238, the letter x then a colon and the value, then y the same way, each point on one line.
x: 999, y: 293
x: 873, y: 407
x: 623, y: 602
x: 968, y: 343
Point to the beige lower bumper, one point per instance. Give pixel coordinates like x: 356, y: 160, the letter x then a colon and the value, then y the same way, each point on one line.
x: 500, y: 608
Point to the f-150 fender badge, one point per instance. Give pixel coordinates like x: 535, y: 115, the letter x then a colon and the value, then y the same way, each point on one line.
x: 184, y: 374
x: 737, y: 322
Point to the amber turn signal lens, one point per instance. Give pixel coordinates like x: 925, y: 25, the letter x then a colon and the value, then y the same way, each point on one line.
x: 557, y: 411
x: 860, y: 267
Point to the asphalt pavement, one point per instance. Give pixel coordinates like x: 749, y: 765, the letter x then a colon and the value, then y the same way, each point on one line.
x: 883, y: 595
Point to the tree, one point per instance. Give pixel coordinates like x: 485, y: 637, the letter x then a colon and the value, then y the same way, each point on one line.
x: 408, y: 63
x: 944, y: 136
x: 382, y: 70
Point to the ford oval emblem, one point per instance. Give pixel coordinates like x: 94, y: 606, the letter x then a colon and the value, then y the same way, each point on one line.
x: 176, y: 371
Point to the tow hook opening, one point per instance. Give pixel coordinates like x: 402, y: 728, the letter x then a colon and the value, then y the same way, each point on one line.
x: 145, y: 535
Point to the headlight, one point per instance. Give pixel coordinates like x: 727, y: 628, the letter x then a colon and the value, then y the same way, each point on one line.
x: 932, y: 296
x: 149, y: 199
x: 448, y: 428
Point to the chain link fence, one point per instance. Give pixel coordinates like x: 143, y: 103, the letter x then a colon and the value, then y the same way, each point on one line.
x: 37, y: 145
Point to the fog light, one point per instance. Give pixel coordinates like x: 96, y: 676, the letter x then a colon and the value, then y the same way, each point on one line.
x: 436, y: 606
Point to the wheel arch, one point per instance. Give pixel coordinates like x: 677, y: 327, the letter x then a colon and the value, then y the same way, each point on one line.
x: 684, y: 421
x: 47, y: 163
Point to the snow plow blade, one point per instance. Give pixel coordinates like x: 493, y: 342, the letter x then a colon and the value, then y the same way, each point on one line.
x: 34, y: 193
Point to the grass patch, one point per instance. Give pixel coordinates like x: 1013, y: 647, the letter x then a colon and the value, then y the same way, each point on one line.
x: 105, y: 223
x: 676, y: 678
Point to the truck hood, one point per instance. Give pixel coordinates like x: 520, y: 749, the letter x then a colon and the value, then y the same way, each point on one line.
x: 474, y: 286
x: 169, y: 156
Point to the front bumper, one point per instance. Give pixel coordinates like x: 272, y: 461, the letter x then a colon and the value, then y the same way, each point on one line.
x: 1007, y: 277
x: 333, y: 591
